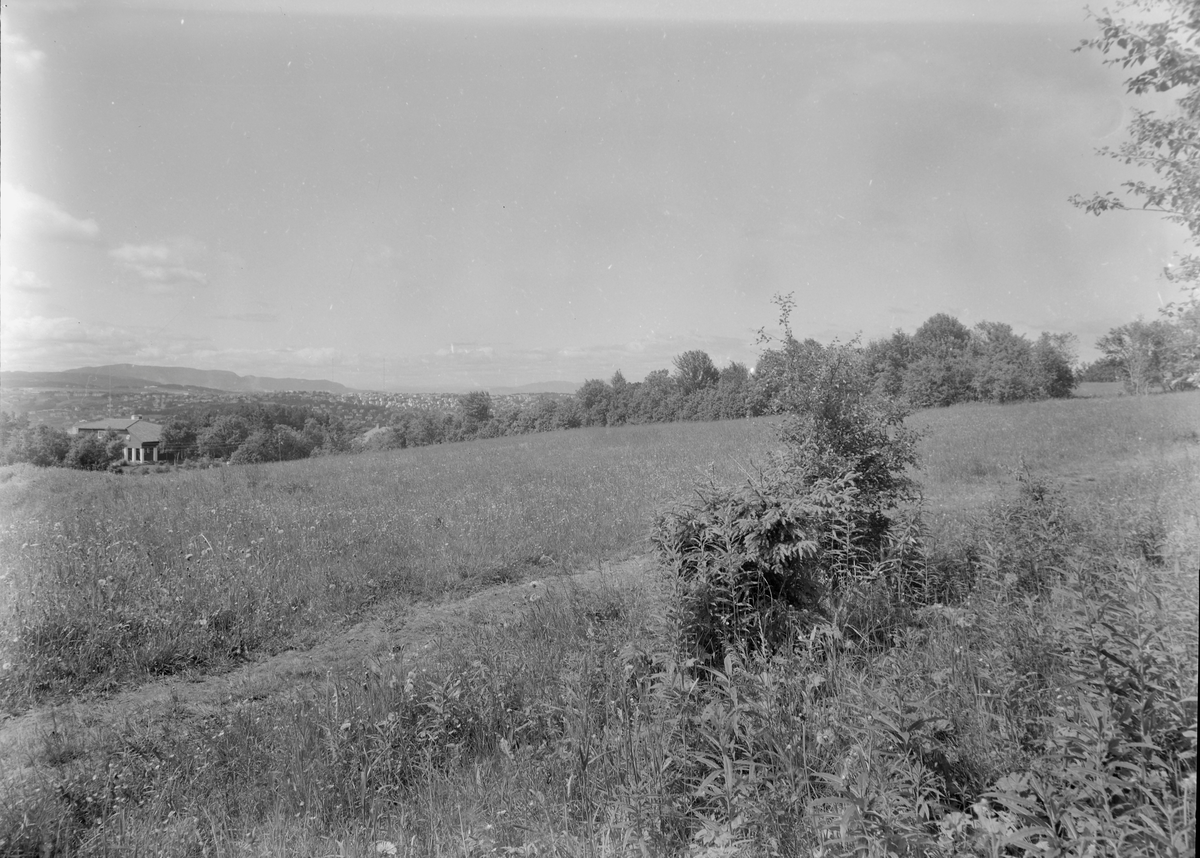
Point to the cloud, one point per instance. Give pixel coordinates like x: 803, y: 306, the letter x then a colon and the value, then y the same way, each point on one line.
x: 30, y: 215
x: 163, y: 266
x: 313, y: 356
x: 47, y: 343
x: 462, y: 350
x: 274, y: 362
x: 23, y: 56
x: 12, y: 277
x: 763, y: 11
x: 264, y: 318
x: 480, y: 365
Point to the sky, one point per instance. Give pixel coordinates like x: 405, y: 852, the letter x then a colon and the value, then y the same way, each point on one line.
x: 474, y: 193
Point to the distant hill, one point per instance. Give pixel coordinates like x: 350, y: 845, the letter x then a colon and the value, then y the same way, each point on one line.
x: 89, y: 381
x: 135, y: 377
x: 215, y: 379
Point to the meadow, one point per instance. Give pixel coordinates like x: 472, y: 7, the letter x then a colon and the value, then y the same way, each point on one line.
x: 982, y: 723
x: 117, y: 578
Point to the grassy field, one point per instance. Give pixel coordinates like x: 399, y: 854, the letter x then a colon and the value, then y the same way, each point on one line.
x: 572, y: 730
x: 114, y: 578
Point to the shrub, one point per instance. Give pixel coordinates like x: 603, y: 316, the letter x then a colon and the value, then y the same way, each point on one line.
x: 752, y: 563
x: 280, y: 444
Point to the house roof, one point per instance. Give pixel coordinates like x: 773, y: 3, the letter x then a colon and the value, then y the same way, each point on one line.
x: 118, y: 424
x: 145, y: 433
x: 139, y: 431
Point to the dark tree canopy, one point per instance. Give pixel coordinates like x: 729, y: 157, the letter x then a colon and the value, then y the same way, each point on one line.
x: 695, y: 370
x: 476, y: 406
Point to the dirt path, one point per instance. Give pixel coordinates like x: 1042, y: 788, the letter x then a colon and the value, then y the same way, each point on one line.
x: 393, y: 630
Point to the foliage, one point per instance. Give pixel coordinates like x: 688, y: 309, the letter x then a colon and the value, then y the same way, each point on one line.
x: 756, y: 565
x: 102, y: 586
x: 177, y: 440
x: 1054, y: 356
x: 1137, y: 350
x: 595, y: 398
x: 40, y: 445
x: 1181, y: 349
x: 1160, y: 43
x: 221, y: 438
x: 278, y: 444
x: 90, y: 451
x: 694, y: 370
x: 476, y: 407
x: 944, y: 363
x: 838, y: 426
x: 1003, y: 719
x: 1103, y: 369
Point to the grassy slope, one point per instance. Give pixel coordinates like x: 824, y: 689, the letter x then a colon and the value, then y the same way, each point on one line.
x: 531, y: 737
x: 111, y: 579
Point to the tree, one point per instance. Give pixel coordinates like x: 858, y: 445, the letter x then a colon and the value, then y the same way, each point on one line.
x: 595, y: 399
x: 40, y: 445
x: 657, y: 398
x: 1103, y: 369
x: 695, y: 370
x: 476, y: 408
x: 545, y: 414
x: 1054, y: 356
x: 1161, y: 44
x: 328, y: 435
x: 278, y: 444
x: 785, y: 371
x: 839, y: 426
x: 568, y: 415
x: 87, y: 452
x: 223, y: 436
x: 1136, y: 349
x: 941, y: 333
x: 114, y: 445
x: 178, y: 439
x: 942, y: 372
x: 1181, y: 353
x: 622, y: 392
x: 1004, y: 370
x: 731, y: 392
x: 888, y: 360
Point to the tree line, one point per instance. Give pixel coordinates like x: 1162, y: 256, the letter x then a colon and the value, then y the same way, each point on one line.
x: 941, y: 363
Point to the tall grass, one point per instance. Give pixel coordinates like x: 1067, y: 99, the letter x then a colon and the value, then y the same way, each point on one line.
x: 1043, y: 705
x: 977, y: 443
x: 109, y: 578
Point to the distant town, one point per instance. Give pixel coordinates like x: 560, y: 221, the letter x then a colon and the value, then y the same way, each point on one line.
x: 64, y: 408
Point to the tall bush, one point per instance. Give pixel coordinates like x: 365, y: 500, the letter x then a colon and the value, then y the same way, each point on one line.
x: 751, y: 564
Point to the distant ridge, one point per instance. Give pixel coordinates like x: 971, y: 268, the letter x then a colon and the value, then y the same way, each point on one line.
x: 132, y: 377
x: 89, y: 382
x: 215, y: 379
